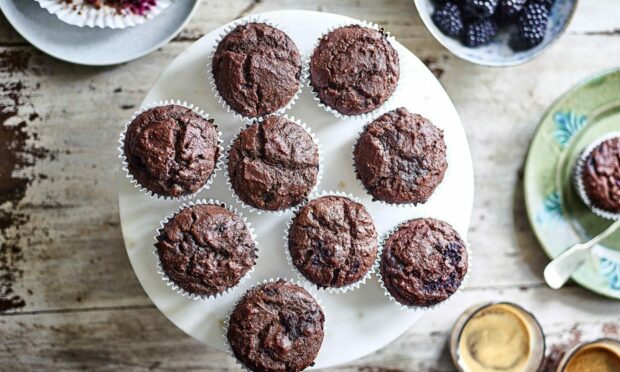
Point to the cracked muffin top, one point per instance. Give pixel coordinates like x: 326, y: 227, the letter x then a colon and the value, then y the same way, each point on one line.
x: 332, y: 241
x: 273, y: 165
x: 205, y: 249
x: 354, y: 70
x: 171, y: 150
x: 601, y: 176
x: 423, y: 262
x: 276, y: 327
x: 401, y: 158
x: 257, y: 69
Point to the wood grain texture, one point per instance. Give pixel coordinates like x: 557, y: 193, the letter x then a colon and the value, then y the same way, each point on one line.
x: 75, y: 302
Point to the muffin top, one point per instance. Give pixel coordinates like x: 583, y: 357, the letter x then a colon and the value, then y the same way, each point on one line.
x: 276, y: 327
x: 273, y: 165
x: 601, y: 176
x: 423, y: 262
x: 354, y: 69
x: 171, y: 150
x: 205, y: 249
x: 333, y: 241
x: 257, y: 69
x: 401, y: 158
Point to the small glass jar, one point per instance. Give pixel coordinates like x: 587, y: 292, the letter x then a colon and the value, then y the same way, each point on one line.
x: 497, y: 336
x: 600, y: 355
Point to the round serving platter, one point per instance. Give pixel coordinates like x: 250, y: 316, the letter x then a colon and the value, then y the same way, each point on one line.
x: 559, y: 218
x: 358, y: 322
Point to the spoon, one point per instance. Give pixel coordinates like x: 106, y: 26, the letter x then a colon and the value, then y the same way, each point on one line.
x: 563, y: 266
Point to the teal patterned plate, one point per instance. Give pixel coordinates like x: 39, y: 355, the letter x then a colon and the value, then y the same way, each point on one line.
x: 558, y: 217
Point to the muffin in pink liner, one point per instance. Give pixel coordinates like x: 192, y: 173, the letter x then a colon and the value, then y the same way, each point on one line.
x: 205, y: 250
x: 115, y: 14
x: 171, y: 150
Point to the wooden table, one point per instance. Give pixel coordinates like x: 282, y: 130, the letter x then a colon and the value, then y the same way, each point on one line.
x: 68, y: 297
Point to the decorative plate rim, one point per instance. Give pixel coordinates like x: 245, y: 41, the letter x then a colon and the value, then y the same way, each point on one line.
x: 578, y: 276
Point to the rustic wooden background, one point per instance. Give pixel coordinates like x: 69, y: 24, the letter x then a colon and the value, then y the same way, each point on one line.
x: 68, y: 297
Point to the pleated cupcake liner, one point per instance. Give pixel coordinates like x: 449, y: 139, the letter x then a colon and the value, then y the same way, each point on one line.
x: 379, y: 110
x: 193, y: 296
x: 358, y: 179
x: 228, y: 29
x: 79, y: 13
x: 413, y: 308
x: 578, y: 178
x: 289, y: 259
x: 281, y: 212
x: 125, y: 165
x: 226, y: 325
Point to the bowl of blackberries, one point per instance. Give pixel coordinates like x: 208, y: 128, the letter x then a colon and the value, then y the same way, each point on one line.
x: 496, y: 32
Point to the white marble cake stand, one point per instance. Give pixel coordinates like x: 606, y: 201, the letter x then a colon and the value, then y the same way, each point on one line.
x: 359, y: 322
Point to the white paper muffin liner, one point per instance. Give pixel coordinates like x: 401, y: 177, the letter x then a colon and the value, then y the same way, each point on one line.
x: 252, y: 209
x: 358, y: 179
x: 125, y: 166
x: 578, y: 181
x: 80, y: 14
x: 172, y: 284
x: 227, y: 107
x: 301, y: 277
x: 402, y: 306
x: 379, y: 110
x: 229, y: 349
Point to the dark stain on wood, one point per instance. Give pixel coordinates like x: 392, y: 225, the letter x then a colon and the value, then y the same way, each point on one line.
x: 611, y: 329
x: 17, y: 153
x: 13, y: 61
x: 556, y: 351
x: 433, y: 65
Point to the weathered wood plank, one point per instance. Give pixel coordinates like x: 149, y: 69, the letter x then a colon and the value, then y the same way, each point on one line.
x: 140, y: 339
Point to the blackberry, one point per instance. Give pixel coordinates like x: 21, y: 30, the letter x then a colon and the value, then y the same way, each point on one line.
x: 449, y: 19
x: 479, y: 32
x: 546, y: 3
x: 480, y: 8
x: 532, y: 26
x: 510, y: 8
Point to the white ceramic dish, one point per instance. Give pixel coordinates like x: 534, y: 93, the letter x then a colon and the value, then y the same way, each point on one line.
x: 95, y: 46
x: 358, y: 322
x: 498, y: 53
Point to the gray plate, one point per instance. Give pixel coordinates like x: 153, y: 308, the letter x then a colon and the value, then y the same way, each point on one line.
x: 94, y: 46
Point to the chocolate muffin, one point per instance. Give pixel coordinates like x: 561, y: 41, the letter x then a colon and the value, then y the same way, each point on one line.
x: 273, y: 165
x: 354, y: 70
x: 171, y: 150
x: 205, y: 249
x: 401, y: 158
x: 257, y: 69
x: 332, y: 241
x: 423, y: 262
x: 600, y: 175
x: 276, y: 327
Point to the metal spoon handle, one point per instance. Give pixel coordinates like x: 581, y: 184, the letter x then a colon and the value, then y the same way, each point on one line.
x: 562, y: 267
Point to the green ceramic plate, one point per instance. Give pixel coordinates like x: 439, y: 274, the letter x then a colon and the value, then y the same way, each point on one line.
x: 558, y: 217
